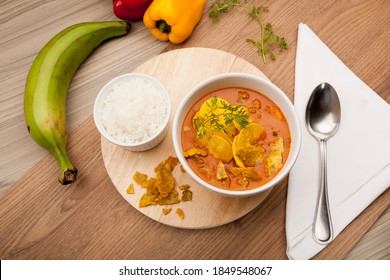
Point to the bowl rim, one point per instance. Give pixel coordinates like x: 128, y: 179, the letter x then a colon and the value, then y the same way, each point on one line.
x: 102, y: 93
x: 292, y: 157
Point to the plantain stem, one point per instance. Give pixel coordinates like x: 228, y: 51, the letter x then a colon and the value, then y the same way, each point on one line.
x: 68, y: 176
x: 128, y: 26
x: 68, y: 173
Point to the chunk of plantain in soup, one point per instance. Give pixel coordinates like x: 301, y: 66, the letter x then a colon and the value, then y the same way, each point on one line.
x: 274, y: 161
x: 245, y: 172
x: 220, y: 148
x: 221, y: 171
x: 250, y: 154
x: 250, y: 134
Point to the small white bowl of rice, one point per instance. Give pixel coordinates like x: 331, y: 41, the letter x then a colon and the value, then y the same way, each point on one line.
x: 133, y: 111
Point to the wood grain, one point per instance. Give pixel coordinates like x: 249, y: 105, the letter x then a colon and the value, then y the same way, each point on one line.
x: 90, y: 220
x: 41, y: 220
x: 21, y: 40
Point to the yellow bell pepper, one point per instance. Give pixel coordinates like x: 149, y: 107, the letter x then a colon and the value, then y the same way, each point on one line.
x: 173, y: 20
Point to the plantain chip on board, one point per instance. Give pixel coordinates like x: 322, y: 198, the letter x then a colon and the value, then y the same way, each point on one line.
x: 130, y: 189
x: 166, y: 211
x: 184, y: 187
x: 186, y: 195
x: 180, y: 213
x: 171, y: 198
x: 140, y: 178
x: 161, y: 189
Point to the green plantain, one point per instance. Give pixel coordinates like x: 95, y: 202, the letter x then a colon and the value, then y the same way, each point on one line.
x: 48, y: 82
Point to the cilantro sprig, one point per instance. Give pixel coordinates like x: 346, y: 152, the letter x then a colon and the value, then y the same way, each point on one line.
x: 268, y: 41
x: 212, y: 119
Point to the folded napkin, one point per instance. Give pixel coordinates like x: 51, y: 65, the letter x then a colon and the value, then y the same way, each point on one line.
x: 358, y: 154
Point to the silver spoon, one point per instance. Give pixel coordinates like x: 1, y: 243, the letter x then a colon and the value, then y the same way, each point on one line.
x: 323, y: 114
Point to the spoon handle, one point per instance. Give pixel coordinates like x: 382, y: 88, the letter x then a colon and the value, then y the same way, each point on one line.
x: 322, y: 230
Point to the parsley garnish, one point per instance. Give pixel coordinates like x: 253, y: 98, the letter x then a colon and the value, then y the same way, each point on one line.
x: 268, y: 40
x: 212, y: 119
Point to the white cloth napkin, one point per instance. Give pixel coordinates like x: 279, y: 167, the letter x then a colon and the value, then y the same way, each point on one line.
x: 358, y: 154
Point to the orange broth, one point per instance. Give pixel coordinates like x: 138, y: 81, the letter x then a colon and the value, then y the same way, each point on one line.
x: 273, y: 126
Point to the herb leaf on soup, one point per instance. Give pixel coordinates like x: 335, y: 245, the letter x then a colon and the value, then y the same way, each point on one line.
x: 219, y: 117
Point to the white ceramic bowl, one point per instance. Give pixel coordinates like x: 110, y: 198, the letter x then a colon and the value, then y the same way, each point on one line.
x: 246, y: 81
x: 146, y: 144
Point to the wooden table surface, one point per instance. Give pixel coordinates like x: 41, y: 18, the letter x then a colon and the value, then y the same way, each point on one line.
x: 356, y: 30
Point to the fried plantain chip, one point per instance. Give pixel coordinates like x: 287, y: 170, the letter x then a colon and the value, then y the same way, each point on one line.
x: 147, y: 200
x: 171, y: 198
x: 250, y: 154
x: 245, y: 172
x: 180, y: 213
x: 194, y: 151
x: 250, y: 134
x: 160, y: 190
x: 237, y: 159
x: 184, y: 187
x: 130, y: 189
x: 274, y: 161
x: 221, y: 172
x: 186, y: 195
x: 140, y: 178
x: 220, y: 148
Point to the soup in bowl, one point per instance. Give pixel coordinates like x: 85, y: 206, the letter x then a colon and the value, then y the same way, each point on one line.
x: 236, y: 134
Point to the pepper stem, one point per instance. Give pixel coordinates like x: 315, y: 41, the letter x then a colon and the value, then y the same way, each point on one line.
x: 163, y: 26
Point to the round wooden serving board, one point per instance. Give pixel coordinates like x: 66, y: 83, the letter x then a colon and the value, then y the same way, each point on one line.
x: 179, y: 71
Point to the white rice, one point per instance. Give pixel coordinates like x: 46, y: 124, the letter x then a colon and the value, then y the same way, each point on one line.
x: 134, y: 110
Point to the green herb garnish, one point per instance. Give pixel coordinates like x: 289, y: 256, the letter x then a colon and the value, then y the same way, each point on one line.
x: 212, y: 119
x: 268, y: 40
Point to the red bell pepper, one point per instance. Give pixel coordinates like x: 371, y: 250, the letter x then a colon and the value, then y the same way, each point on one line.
x: 130, y: 9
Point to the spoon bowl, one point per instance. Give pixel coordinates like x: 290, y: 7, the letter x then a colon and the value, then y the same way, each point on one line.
x: 323, y: 112
x: 323, y: 115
